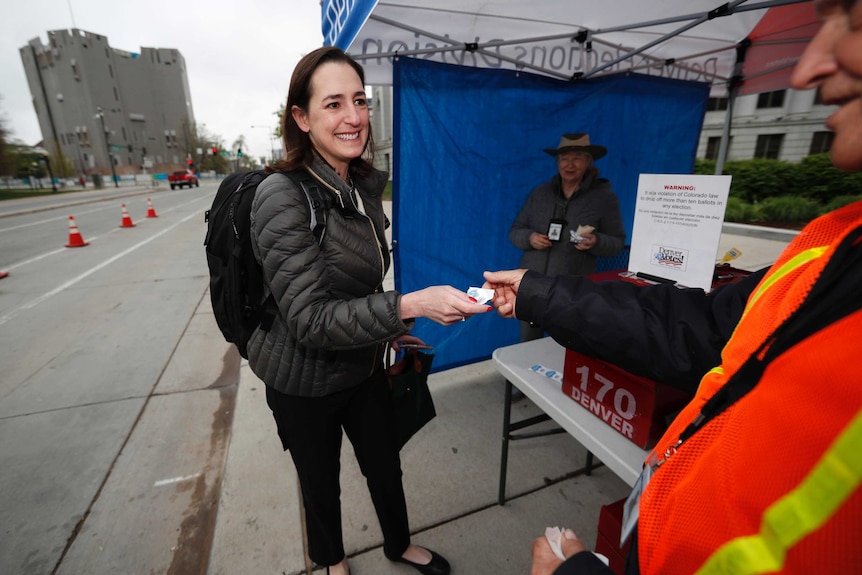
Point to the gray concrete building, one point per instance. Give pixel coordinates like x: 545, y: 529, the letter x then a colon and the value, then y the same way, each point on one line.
x: 782, y: 125
x: 97, y: 104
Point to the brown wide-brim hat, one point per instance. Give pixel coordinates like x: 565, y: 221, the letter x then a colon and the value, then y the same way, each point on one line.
x: 577, y: 143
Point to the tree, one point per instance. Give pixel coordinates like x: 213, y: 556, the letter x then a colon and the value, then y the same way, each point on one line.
x: 202, y: 139
x: 6, y: 163
x: 245, y: 162
x: 280, y: 115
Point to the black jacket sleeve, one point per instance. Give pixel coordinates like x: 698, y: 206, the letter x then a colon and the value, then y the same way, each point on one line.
x: 583, y: 563
x: 660, y: 331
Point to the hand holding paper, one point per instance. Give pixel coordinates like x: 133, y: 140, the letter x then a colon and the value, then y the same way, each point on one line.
x: 577, y: 236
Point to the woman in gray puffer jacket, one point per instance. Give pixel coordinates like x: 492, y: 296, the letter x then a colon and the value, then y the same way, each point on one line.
x: 322, y: 358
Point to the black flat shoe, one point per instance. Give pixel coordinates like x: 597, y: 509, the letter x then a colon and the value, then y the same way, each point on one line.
x: 437, y: 566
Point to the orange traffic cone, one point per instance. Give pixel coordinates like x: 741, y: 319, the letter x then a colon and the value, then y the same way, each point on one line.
x: 151, y: 211
x: 76, y: 240
x: 127, y: 220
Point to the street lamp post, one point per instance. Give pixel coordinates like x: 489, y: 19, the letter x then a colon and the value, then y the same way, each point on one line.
x: 50, y: 173
x: 101, y: 116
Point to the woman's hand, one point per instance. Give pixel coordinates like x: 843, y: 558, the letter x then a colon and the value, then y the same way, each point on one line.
x: 505, y: 285
x: 442, y: 304
x: 539, y: 241
x: 545, y: 561
x: 587, y: 243
x: 408, y: 339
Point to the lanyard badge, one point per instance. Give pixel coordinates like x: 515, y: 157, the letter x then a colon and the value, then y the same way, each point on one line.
x: 631, y: 509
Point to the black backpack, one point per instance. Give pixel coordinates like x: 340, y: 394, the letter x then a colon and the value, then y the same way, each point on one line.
x: 236, y: 279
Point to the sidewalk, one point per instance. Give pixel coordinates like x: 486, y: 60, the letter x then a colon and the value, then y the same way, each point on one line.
x: 49, y: 201
x: 451, y: 474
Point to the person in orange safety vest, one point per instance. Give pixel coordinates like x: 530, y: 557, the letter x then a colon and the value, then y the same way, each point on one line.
x: 761, y: 472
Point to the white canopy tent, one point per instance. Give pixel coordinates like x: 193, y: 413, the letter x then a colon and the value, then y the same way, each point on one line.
x: 685, y: 39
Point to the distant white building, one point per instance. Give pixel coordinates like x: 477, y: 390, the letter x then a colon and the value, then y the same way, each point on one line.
x: 94, y: 101
x: 381, y: 127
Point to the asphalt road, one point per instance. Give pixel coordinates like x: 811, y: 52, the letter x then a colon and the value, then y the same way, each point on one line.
x: 100, y: 409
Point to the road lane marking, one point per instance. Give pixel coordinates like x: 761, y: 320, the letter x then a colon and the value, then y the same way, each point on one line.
x: 163, y: 482
x: 79, y: 213
x: 33, y: 303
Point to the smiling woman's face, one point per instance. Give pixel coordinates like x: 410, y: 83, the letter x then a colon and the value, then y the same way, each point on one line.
x: 833, y: 62
x: 337, y: 116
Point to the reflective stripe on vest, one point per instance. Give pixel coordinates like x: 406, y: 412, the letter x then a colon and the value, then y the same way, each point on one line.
x: 787, y: 521
x: 799, y: 259
x: 796, y: 261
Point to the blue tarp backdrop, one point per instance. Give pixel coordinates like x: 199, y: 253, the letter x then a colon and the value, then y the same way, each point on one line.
x: 468, y: 149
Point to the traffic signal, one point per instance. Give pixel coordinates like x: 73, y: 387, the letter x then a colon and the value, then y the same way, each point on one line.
x: 130, y: 148
x: 239, y: 152
x: 189, y: 161
x: 215, y: 151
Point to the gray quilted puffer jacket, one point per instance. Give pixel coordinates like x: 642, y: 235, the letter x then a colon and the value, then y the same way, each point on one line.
x: 333, y: 315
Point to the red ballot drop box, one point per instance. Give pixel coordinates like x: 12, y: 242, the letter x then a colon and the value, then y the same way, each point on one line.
x: 637, y: 408
x: 608, y: 537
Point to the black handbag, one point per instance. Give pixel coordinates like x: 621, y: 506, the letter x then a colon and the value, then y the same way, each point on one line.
x: 408, y: 380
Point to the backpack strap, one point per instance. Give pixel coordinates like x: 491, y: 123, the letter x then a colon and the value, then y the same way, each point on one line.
x: 319, y: 202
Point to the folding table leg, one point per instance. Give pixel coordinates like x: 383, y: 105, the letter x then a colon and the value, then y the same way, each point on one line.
x: 504, y: 454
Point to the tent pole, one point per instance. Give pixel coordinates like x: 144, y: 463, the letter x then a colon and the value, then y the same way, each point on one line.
x: 725, y: 131
x: 732, y: 92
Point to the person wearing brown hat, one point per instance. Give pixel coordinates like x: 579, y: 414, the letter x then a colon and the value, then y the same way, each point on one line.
x: 570, y: 220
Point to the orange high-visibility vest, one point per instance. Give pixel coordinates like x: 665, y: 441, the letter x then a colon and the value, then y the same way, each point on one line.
x: 770, y: 485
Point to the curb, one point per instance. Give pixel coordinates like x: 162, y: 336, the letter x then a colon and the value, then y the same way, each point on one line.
x: 79, y: 201
x: 762, y: 232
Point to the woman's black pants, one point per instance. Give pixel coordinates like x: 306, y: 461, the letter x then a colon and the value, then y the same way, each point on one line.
x: 310, y: 428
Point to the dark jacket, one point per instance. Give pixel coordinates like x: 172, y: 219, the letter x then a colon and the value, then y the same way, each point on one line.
x: 662, y: 332
x: 333, y: 315
x: 594, y: 204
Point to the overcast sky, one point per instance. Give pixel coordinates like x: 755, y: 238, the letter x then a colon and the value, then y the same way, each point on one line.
x: 239, y: 54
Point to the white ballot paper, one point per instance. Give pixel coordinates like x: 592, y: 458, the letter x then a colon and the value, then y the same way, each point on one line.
x: 481, y: 295
x: 677, y: 227
x: 554, y: 535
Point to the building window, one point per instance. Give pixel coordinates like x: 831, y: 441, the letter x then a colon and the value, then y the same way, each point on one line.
x: 821, y: 142
x: 712, y: 146
x: 116, y: 95
x: 768, y: 146
x: 716, y: 104
x: 771, y: 99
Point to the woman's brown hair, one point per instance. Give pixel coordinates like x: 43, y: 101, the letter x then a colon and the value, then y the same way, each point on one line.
x: 298, y: 149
